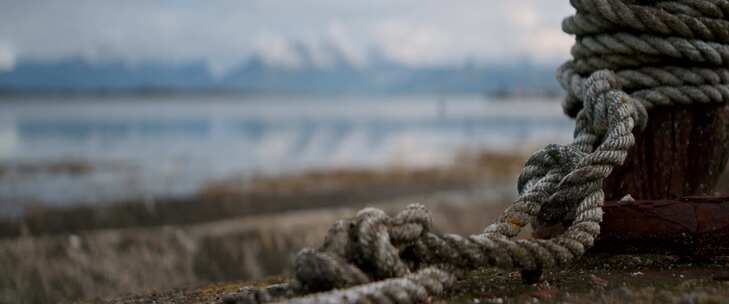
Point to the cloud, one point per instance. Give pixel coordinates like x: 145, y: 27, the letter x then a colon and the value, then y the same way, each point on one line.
x: 276, y: 50
x: 413, y: 44
x: 227, y: 32
x: 346, y: 45
x: 523, y: 13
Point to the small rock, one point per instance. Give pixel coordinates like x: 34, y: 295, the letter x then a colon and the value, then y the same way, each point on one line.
x: 74, y: 241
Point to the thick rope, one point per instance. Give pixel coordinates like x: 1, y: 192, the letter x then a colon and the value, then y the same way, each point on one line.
x: 373, y: 246
x: 629, y: 56
x: 663, y: 53
x: 413, y: 288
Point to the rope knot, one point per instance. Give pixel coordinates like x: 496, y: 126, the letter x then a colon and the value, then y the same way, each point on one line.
x: 364, y: 248
x: 547, y: 165
x: 589, y: 97
x: 602, y: 95
x: 409, y: 225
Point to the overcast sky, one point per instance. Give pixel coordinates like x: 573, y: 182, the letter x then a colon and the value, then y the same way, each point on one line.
x: 223, y: 33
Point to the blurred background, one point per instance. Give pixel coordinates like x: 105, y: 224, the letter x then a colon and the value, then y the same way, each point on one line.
x: 148, y: 145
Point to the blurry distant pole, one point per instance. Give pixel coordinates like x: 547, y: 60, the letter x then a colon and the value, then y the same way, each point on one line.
x: 442, y: 107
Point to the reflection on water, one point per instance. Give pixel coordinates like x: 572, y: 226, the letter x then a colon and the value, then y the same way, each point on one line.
x: 82, y: 130
x: 148, y: 147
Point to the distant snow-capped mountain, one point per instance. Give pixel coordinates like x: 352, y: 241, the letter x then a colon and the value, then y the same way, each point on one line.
x: 332, y: 75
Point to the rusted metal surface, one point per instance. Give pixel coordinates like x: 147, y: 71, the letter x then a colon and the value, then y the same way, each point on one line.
x: 672, y: 171
x: 682, y: 152
x: 695, y: 225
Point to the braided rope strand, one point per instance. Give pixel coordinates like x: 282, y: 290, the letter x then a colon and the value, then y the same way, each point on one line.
x: 604, y: 16
x: 413, y: 288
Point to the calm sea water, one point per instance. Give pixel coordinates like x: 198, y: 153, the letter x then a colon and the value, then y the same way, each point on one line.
x: 146, y: 147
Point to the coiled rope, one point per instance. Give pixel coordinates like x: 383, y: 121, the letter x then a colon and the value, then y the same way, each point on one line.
x: 629, y: 56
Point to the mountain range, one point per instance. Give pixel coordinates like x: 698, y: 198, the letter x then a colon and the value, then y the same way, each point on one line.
x: 256, y: 76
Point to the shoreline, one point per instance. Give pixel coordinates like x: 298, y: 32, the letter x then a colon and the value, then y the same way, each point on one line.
x: 235, y: 197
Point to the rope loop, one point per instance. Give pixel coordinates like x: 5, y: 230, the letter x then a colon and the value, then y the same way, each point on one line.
x: 551, y: 161
x: 589, y: 96
x: 362, y: 249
